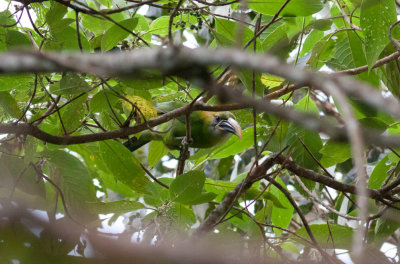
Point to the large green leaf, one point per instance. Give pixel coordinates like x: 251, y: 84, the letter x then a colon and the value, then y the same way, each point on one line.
x: 329, y: 236
x: 9, y: 105
x: 294, y: 8
x: 187, y: 187
x: 229, y: 29
x: 115, y: 34
x: 157, y: 150
x: 123, y: 165
x: 376, y: 18
x: 72, y: 176
x: 312, y: 141
x: 15, y: 173
x: 66, y: 39
x: 56, y: 12
x: 17, y: 39
x: 73, y: 114
x: 99, y: 25
x: 380, y: 173
x: 102, y: 101
x: 281, y: 216
x: 17, y: 81
x: 311, y: 40
x: 349, y: 53
x: 310, y: 138
x: 71, y: 83
x: 334, y: 153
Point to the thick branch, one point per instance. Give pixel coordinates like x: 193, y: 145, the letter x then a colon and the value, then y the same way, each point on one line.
x: 187, y: 63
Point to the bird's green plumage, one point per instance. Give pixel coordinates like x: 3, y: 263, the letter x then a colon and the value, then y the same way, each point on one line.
x: 204, y: 131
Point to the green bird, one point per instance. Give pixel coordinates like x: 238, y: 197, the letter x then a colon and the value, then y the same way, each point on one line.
x: 207, y: 129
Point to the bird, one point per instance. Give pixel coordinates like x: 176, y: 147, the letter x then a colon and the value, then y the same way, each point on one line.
x: 207, y: 130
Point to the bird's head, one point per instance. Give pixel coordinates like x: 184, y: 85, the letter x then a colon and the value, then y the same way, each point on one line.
x: 224, y: 122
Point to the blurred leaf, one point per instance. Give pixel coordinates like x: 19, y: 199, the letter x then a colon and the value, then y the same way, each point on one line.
x: 117, y: 207
x: 9, y: 105
x: 329, y: 236
x: 16, y: 81
x: 380, y: 173
x: 15, y: 39
x: 73, y: 178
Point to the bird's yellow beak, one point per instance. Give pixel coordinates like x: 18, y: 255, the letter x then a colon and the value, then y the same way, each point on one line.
x: 230, y: 126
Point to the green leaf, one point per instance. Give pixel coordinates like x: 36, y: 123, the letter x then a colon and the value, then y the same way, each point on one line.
x: 157, y: 194
x: 204, y: 197
x: 300, y: 154
x: 389, y: 74
x: 274, y: 38
x: 281, y: 216
x: 376, y: 17
x: 294, y: 8
x: 234, y: 145
x: 16, y: 81
x: 247, y: 79
x: 30, y: 149
x: 56, y: 13
x: 311, y: 40
x: 15, y: 38
x: 102, y: 101
x: 61, y: 24
x: 329, y: 236
x: 322, y: 52
x: 73, y: 114
x: 74, y: 179
x: 380, y: 173
x: 71, y: 83
x: 116, y: 207
x: 99, y: 25
x: 115, y: 34
x: 310, y: 138
x: 161, y: 24
x: 229, y: 29
x: 9, y: 105
x: 334, y: 153
x: 67, y: 39
x: 385, y: 227
x: 147, y: 81
x: 157, y: 150
x: 187, y: 187
x: 15, y: 173
x: 270, y: 196
x: 123, y: 165
x: 349, y: 53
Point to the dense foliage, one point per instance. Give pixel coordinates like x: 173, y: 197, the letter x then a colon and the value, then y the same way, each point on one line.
x: 287, y: 190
